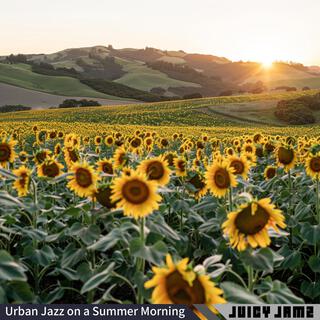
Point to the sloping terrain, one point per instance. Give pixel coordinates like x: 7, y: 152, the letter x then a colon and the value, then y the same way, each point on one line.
x: 12, y: 95
x: 21, y: 75
x: 157, y: 74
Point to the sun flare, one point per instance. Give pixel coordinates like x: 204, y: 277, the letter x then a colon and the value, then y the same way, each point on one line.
x: 267, y: 63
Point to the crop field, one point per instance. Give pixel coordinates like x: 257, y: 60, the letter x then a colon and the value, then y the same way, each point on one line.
x: 159, y: 203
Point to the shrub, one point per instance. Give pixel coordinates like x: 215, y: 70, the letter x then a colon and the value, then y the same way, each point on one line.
x: 14, y: 108
x: 72, y: 103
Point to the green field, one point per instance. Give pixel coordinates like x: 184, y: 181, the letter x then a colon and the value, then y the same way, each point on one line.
x: 21, y: 75
x: 221, y: 117
x: 141, y: 77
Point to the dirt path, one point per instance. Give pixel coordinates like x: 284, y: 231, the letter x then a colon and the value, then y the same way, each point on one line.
x: 11, y: 95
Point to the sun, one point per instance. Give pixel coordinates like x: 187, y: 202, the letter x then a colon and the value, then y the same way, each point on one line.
x: 267, y: 63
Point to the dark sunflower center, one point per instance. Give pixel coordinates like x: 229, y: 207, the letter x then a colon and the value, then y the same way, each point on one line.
x: 222, y: 179
x: 251, y: 224
x: 315, y: 164
x: 73, y: 156
x: 41, y: 156
x: 249, y: 149
x: 270, y: 173
x: 238, y: 166
x: 136, y: 143
x: 286, y: 156
x: 107, y: 168
x: 104, y: 197
x: 155, y: 170
x: 169, y: 157
x: 50, y: 170
x: 135, y: 191
x: 83, y: 177
x: 181, y: 165
x: 180, y: 292
x: 109, y: 140
x: 197, y: 182
x: 23, y: 180
x: 5, y: 152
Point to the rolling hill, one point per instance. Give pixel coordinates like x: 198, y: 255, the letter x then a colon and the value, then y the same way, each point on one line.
x: 148, y: 74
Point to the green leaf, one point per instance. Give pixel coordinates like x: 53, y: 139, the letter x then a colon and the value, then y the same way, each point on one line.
x: 54, y: 295
x: 107, y: 242
x: 311, y: 233
x: 277, y: 292
x: 310, y: 289
x: 154, y: 254
x: 157, y: 224
x: 20, y: 292
x: 237, y: 294
x: 86, y: 234
x: 292, y: 259
x: 262, y: 259
x: 97, y: 279
x: 7, y: 200
x: 314, y: 263
x: 9, y: 269
x: 71, y: 256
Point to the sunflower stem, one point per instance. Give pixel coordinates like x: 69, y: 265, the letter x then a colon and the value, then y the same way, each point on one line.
x: 230, y: 199
x: 91, y: 293
x: 35, y: 242
x: 250, y: 278
x: 317, y: 201
x: 141, y: 261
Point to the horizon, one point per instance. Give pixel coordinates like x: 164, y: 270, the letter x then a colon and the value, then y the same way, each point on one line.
x: 247, y: 31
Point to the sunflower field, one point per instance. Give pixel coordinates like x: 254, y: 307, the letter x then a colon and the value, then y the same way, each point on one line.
x: 157, y: 216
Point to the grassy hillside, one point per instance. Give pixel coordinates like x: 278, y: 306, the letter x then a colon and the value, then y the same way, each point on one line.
x: 20, y: 75
x: 141, y: 77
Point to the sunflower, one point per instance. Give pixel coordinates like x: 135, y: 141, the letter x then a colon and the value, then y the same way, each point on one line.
x: 127, y: 171
x: 240, y: 165
x: 137, y: 196
x: 249, y: 148
x: 120, y: 157
x: 50, y: 168
x: 135, y: 143
x: 251, y: 158
x: 84, y: 179
x: 250, y: 223
x: 312, y: 166
x: 156, y: 169
x: 219, y: 178
x: 97, y: 140
x: 199, y: 184
x: 180, y: 165
x: 71, y: 155
x: 41, y: 156
x: 270, y: 172
x: 57, y: 149
x: 23, y: 156
x: 7, y: 153
x: 109, y: 141
x: 286, y: 157
x: 170, y: 156
x: 103, y: 196
x: 21, y: 185
x: 179, y: 283
x: 105, y: 166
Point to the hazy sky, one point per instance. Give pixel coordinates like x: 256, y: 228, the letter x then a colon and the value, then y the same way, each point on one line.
x: 237, y: 29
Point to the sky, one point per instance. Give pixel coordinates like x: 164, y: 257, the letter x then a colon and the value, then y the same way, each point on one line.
x: 255, y: 30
